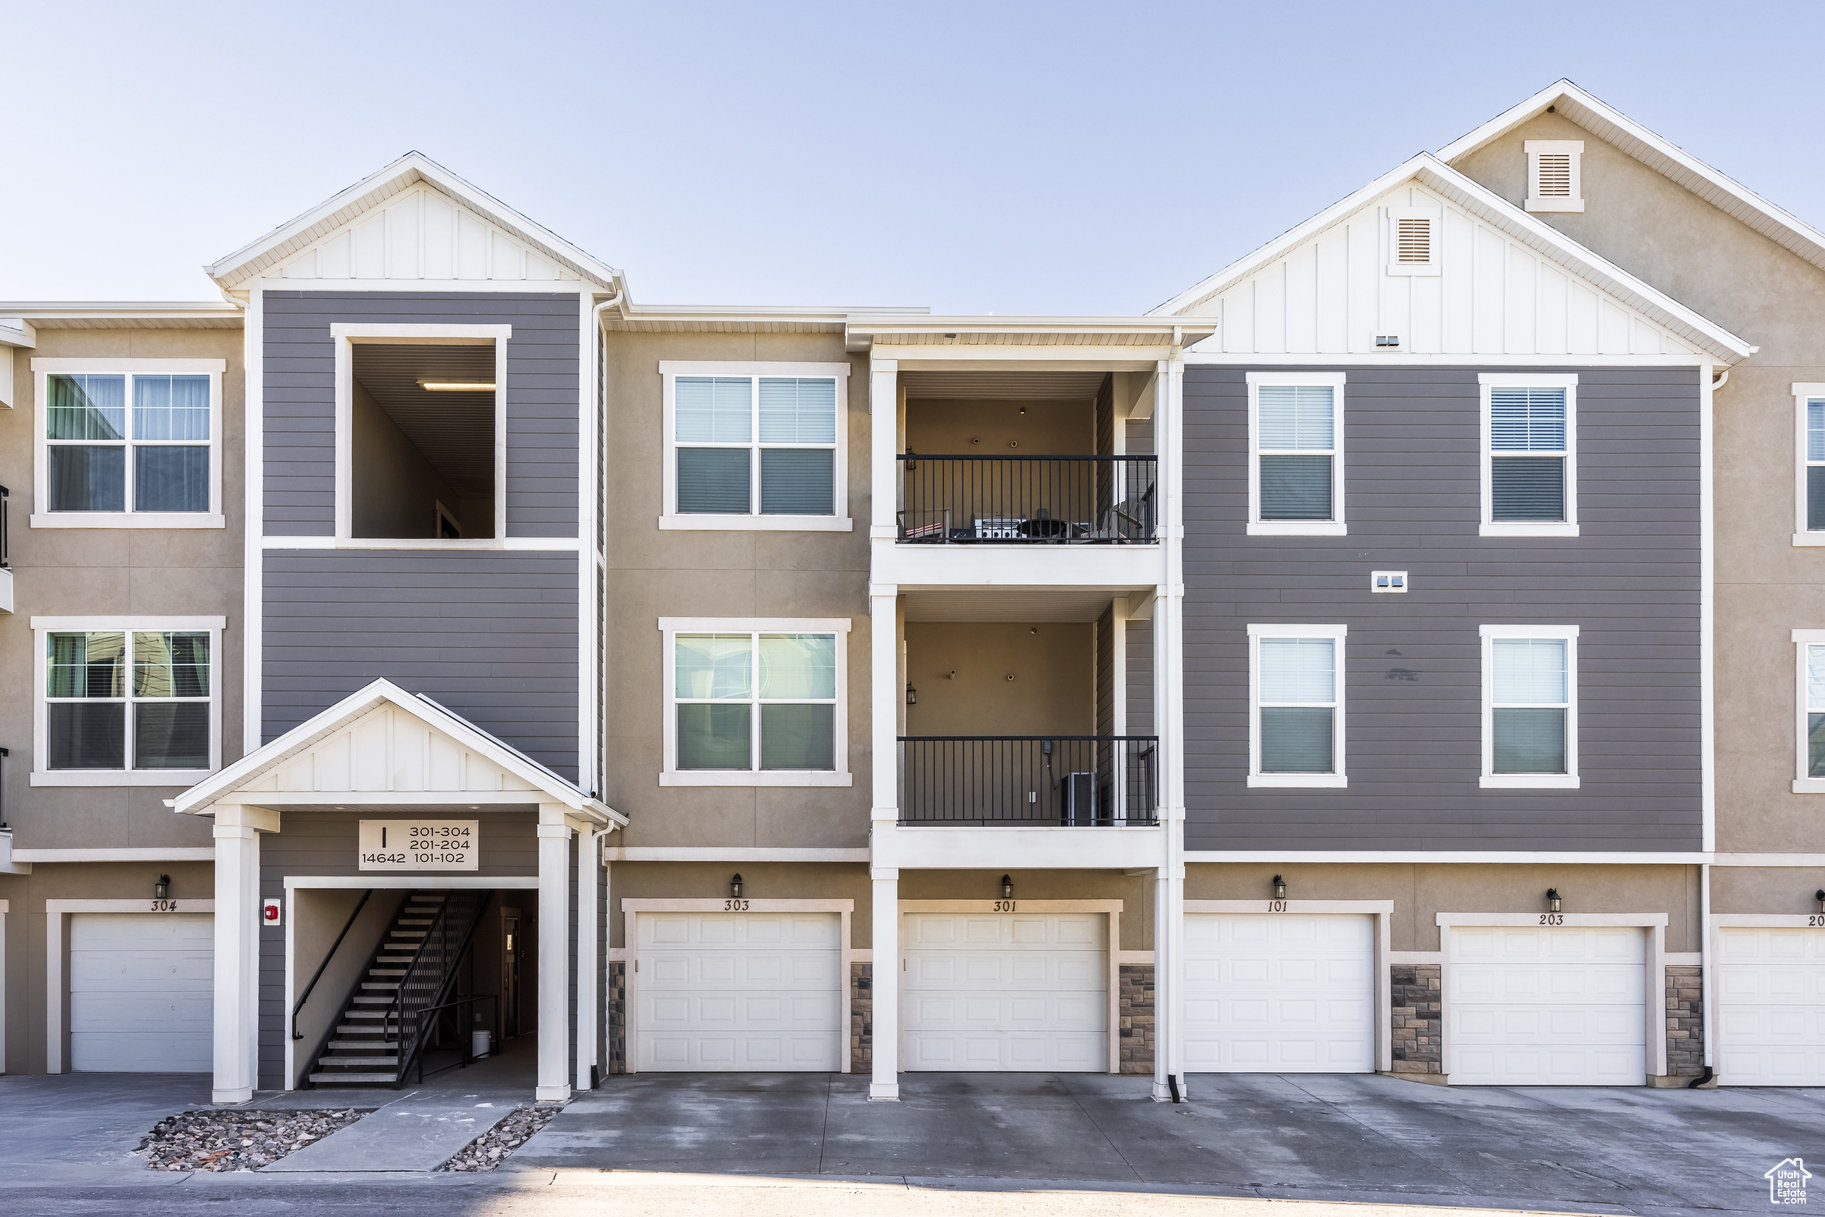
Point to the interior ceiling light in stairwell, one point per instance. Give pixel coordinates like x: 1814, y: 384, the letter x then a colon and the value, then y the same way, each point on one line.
x: 457, y: 386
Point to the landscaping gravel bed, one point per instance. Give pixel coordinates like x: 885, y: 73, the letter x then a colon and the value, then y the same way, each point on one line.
x: 491, y: 1148
x: 237, y: 1140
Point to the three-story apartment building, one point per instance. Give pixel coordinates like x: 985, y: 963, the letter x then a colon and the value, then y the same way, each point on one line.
x: 1328, y: 671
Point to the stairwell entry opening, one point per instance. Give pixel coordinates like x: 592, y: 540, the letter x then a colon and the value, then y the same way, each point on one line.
x: 424, y: 454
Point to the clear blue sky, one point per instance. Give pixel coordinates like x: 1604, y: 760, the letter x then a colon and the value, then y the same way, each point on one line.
x: 973, y: 157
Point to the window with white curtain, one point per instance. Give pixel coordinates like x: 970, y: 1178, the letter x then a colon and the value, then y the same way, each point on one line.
x: 1810, y: 684
x: 1530, y: 720
x: 755, y: 702
x: 755, y: 446
x: 126, y: 702
x: 1296, y: 672
x: 1295, y: 453
x: 1529, y: 471
x: 128, y: 443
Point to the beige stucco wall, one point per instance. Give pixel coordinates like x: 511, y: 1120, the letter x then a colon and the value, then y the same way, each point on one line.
x: 114, y: 572
x: 1787, y: 890
x: 1765, y: 586
x: 1053, y: 690
x: 654, y: 573
x: 1420, y: 891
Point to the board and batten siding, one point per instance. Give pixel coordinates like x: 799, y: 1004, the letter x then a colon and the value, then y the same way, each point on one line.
x: 323, y: 844
x: 1631, y: 582
x: 299, y: 392
x: 489, y: 634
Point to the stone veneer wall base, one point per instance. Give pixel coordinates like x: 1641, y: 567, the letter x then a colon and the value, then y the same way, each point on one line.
x: 1136, y: 1000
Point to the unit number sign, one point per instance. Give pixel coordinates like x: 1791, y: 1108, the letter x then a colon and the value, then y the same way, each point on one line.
x: 417, y: 845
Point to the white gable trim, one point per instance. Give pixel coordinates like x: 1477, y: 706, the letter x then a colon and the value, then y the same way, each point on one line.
x: 288, y: 770
x: 1657, y: 153
x: 417, y: 175
x: 1687, y: 327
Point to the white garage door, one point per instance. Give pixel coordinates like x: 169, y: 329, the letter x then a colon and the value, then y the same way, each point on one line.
x: 1771, y: 1007
x: 1005, y: 991
x: 141, y: 993
x: 719, y: 992
x: 1279, y: 993
x: 1558, y: 1006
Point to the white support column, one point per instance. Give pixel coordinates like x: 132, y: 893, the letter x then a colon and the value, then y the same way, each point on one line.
x: 605, y: 1028
x: 554, y: 954
x: 885, y: 982
x: 587, y: 917
x: 237, y: 949
x: 1169, y: 724
x: 884, y: 698
x: 884, y: 438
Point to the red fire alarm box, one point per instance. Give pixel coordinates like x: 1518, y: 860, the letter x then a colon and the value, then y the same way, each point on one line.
x: 269, y: 912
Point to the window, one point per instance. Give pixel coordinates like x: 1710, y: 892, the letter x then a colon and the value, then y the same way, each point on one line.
x: 1297, y: 728
x: 1530, y: 482
x: 755, y: 702
x: 1413, y: 240
x: 1810, y: 776
x: 1295, y: 430
x: 755, y: 446
x: 421, y: 436
x: 1809, y: 445
x: 1530, y: 706
x: 128, y: 443
x: 1554, y: 174
x: 126, y: 702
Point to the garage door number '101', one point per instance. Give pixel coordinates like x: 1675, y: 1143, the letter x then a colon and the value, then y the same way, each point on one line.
x: 417, y: 845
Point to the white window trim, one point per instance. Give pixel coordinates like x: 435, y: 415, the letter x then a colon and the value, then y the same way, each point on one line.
x: 41, y: 776
x: 346, y: 335
x: 1574, y: 148
x: 1569, y: 780
x: 1488, y: 381
x: 1803, y: 392
x: 1321, y: 781
x: 1802, y: 783
x: 671, y: 775
x: 1336, y: 526
x: 1433, y: 213
x: 670, y: 519
x: 44, y: 517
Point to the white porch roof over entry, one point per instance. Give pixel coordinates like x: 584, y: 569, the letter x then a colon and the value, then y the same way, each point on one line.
x: 382, y: 747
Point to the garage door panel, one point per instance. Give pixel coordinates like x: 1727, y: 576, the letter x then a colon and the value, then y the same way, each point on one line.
x: 140, y: 994
x: 1770, y: 1006
x: 1280, y: 992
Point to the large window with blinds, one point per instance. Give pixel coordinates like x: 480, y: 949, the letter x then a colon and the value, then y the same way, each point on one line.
x: 1295, y: 431
x: 1809, y: 493
x: 755, y: 446
x: 1810, y: 684
x: 128, y: 443
x: 755, y: 702
x: 1529, y: 451
x: 1296, y: 686
x: 127, y: 702
x: 1530, y: 706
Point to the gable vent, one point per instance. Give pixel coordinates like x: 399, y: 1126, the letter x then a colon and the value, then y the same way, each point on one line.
x: 1413, y: 241
x: 1555, y: 175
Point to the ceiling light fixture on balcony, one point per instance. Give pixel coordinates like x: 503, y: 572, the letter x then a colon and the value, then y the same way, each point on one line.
x: 456, y: 386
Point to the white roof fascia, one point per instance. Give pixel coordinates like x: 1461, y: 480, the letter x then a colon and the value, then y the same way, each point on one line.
x: 295, y: 234
x: 1490, y: 207
x: 17, y: 332
x: 1658, y: 153
x: 64, y: 310
x: 199, y: 798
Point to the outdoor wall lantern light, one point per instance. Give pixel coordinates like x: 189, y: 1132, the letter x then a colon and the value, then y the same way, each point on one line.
x: 1820, y: 897
x: 1279, y: 888
x: 912, y: 695
x: 1553, y: 903
x: 162, y: 889
x: 735, y: 886
x: 1007, y: 887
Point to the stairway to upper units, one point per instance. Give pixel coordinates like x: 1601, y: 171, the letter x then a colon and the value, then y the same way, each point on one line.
x: 413, y: 969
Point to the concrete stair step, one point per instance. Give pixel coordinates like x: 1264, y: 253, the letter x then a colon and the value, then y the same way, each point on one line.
x: 389, y: 985
x: 363, y: 1045
x: 332, y: 1078
x: 349, y: 1059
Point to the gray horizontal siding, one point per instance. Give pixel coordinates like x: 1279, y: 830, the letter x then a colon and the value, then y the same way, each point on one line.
x: 1413, y: 685
x: 322, y: 844
x: 492, y: 635
x: 299, y: 389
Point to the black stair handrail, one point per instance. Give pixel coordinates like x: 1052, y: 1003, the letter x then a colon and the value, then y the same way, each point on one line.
x: 465, y: 1038
x: 318, y: 974
x: 431, y: 973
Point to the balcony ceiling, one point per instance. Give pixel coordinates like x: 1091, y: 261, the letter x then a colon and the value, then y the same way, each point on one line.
x: 1001, y: 386
x: 1033, y: 604
x: 454, y: 431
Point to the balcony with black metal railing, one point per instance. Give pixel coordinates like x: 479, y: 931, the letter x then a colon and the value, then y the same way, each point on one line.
x: 1062, y: 781
x: 1056, y: 500
x: 6, y: 570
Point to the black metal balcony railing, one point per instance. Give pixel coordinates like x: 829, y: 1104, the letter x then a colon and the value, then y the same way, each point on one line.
x: 1064, y: 780
x: 1057, y: 499
x: 5, y: 498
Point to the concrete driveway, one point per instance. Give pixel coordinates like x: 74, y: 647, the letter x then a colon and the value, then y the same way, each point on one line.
x: 1315, y: 1137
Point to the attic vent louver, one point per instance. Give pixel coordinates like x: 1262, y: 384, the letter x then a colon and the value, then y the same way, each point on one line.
x: 1554, y: 175
x: 1413, y: 241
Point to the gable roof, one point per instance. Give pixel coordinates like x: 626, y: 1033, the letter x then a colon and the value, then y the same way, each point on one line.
x: 376, y: 695
x: 1435, y: 175
x: 1662, y: 155
x: 373, y: 191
